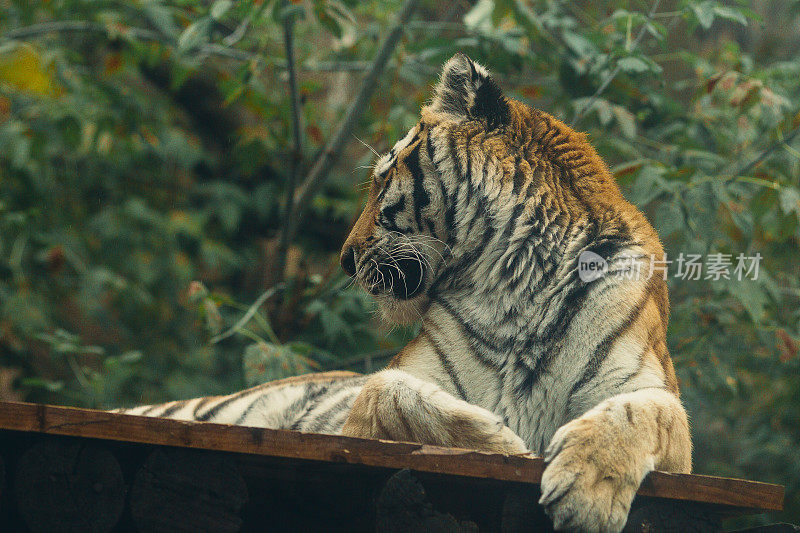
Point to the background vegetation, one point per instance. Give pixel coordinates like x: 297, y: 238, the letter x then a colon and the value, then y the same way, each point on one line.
x: 147, y: 149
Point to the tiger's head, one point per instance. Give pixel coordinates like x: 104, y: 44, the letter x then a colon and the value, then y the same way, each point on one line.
x: 481, y: 188
x: 405, y: 234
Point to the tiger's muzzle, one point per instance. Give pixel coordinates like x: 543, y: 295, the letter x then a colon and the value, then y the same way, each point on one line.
x: 382, y: 273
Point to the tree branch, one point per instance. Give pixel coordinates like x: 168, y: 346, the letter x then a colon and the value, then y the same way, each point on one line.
x: 580, y: 113
x: 215, y: 49
x: 297, y: 152
x: 332, y: 150
x: 67, y: 26
x: 781, y: 141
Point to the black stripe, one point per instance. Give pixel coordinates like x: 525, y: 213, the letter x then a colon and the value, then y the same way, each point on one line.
x: 572, y: 302
x: 459, y: 181
x: 430, y: 148
x: 311, y: 399
x: 421, y: 197
x: 248, y: 409
x: 468, y: 171
x: 388, y: 216
x: 609, y: 245
x: 569, y: 305
x: 448, y: 203
x: 449, y: 214
x: 601, y: 352
x: 551, y: 337
x: 618, y: 382
x: 448, y: 274
x: 481, y: 212
x: 200, y: 404
x: 385, y: 186
x: 533, y: 225
x: 519, y: 176
x: 512, y: 221
x: 323, y: 418
x: 216, y: 408
x: 150, y: 409
x: 447, y: 364
x: 495, y: 345
x: 172, y: 408
x: 463, y: 180
x: 431, y: 226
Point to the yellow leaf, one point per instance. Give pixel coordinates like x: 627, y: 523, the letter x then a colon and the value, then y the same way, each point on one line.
x: 22, y: 67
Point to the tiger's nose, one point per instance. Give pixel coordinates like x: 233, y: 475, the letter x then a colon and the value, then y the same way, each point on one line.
x: 348, y: 260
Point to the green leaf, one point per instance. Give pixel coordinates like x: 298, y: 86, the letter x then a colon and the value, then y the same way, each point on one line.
x: 790, y: 199
x: 39, y: 383
x: 161, y: 17
x: 649, y: 184
x: 669, y: 219
x: 633, y: 64
x: 604, y: 113
x: 581, y: 46
x: 731, y: 13
x: 626, y: 121
x: 195, y: 34
x: 219, y: 8
x: 704, y: 11
x: 750, y: 294
x: 330, y: 23
x: 480, y: 16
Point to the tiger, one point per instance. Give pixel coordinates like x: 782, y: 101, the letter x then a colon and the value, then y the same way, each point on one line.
x: 475, y: 226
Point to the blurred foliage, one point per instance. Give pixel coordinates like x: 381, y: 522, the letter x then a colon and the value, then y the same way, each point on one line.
x: 143, y: 150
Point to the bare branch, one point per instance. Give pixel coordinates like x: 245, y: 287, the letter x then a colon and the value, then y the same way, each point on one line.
x: 221, y: 50
x: 580, y: 113
x: 297, y: 152
x: 330, y: 153
x: 82, y: 26
x: 781, y: 141
x: 65, y: 26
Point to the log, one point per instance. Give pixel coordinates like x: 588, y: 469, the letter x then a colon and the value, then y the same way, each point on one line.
x: 772, y: 528
x: 664, y: 515
x: 403, y: 507
x: 3, y: 490
x: 522, y: 512
x: 69, y: 486
x: 732, y: 496
x: 186, y: 477
x: 187, y: 491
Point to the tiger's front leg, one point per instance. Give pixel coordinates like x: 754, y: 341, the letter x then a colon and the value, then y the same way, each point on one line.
x: 596, y: 462
x: 398, y: 406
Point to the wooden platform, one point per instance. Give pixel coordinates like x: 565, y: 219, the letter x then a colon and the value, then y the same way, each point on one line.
x: 126, y: 472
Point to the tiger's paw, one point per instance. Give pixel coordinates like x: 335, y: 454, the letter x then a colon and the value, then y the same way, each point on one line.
x: 591, y: 478
x: 499, y: 438
x: 395, y: 405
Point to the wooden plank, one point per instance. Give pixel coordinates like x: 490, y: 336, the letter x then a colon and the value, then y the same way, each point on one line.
x: 338, y: 449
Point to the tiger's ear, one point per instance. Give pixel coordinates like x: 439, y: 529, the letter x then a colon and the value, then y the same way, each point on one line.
x: 466, y: 90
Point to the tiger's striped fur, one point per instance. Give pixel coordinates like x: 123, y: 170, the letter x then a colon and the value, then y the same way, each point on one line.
x: 473, y: 226
x: 317, y: 403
